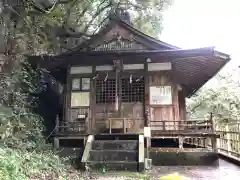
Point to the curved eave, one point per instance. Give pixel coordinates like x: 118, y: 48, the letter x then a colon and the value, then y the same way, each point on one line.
x: 194, y: 72
x: 135, y: 55
x: 144, y: 52
x: 192, y: 67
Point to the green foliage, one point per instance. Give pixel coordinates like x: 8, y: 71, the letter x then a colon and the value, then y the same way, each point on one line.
x: 148, y: 16
x: 46, y: 31
x: 19, y: 126
x: 220, y: 97
x: 23, y: 165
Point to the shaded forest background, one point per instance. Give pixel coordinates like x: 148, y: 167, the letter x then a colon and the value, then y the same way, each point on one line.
x: 33, y: 27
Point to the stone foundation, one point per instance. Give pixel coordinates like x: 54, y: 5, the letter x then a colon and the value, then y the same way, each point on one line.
x: 184, y: 158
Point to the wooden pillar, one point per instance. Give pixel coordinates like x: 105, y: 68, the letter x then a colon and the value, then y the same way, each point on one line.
x: 116, y: 94
x: 146, y: 99
x: 147, y: 135
x: 64, y: 109
x: 214, y: 139
x: 148, y: 146
x: 92, y: 109
x: 68, y: 95
x: 148, y: 139
x: 117, y: 66
x: 120, y: 69
x: 204, y: 143
x: 218, y: 139
x: 110, y: 125
x: 56, y: 143
x: 87, y: 122
x: 147, y: 108
x: 238, y: 136
x: 56, y: 129
x: 213, y: 123
x: 124, y: 125
x: 229, y: 149
x: 175, y: 94
x: 182, y: 105
x: 214, y: 144
x: 180, y: 141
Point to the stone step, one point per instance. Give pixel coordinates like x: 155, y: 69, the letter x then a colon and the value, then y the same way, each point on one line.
x: 65, y: 152
x: 113, y: 155
x: 113, y: 166
x: 115, y: 145
x: 116, y: 137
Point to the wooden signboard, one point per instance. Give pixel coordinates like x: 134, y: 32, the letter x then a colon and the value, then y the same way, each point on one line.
x: 80, y: 99
x: 160, y: 95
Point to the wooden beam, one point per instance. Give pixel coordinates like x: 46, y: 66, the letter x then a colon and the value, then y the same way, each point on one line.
x: 92, y: 107
x: 175, y: 93
x: 146, y: 98
x: 68, y: 95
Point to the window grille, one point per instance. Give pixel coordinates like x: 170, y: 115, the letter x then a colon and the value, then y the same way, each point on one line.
x: 105, y: 91
x: 134, y: 91
x: 131, y: 92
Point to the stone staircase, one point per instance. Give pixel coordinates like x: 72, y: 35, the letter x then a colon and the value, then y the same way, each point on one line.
x: 114, y: 153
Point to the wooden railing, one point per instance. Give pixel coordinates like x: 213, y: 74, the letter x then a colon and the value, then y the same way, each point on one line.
x: 189, y: 126
x: 74, y: 127
x: 229, y: 142
x: 78, y: 127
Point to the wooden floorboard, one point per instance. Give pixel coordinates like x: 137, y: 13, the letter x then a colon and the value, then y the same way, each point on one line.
x: 229, y: 157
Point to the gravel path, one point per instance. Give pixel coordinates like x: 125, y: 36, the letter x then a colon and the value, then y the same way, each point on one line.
x: 225, y: 171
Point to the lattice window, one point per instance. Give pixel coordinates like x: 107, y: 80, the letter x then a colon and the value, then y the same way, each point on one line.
x: 105, y: 91
x: 134, y: 91
x: 131, y: 92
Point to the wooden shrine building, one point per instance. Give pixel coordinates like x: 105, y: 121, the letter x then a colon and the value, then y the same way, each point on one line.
x: 122, y: 80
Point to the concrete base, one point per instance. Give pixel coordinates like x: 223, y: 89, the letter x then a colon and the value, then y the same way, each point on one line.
x: 160, y: 158
x: 114, y: 166
x: 141, y: 167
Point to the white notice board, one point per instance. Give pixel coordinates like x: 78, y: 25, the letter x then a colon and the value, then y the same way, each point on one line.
x: 147, y: 131
x: 80, y: 99
x: 160, y: 95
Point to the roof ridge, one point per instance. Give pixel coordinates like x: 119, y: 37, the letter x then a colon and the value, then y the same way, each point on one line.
x: 115, y: 17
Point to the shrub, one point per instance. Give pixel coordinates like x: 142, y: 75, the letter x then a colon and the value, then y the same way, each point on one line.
x: 21, y: 165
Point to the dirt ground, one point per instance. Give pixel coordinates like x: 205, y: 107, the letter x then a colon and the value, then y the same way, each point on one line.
x: 225, y: 171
